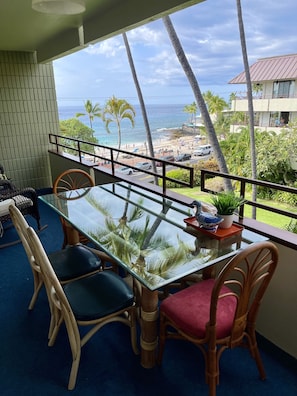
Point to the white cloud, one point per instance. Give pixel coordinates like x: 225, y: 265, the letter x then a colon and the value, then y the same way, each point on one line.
x: 210, y: 38
x: 108, y: 48
x: 145, y: 35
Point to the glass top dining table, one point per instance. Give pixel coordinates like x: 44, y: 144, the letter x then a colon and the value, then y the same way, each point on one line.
x: 143, y: 231
x: 147, y: 235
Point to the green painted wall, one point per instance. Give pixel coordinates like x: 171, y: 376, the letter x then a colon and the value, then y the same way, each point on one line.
x: 28, y: 113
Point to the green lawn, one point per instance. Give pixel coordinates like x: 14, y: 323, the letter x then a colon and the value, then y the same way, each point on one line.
x: 264, y: 216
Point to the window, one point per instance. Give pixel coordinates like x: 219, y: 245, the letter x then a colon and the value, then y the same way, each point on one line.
x: 279, y: 119
x: 283, y: 89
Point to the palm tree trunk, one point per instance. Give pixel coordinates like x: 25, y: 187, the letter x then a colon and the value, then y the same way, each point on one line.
x: 199, y: 98
x: 250, y: 103
x: 157, y: 222
x: 142, y: 105
x: 119, y: 138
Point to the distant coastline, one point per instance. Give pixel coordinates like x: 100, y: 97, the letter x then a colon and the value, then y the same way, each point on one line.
x: 174, y: 145
x: 165, y: 123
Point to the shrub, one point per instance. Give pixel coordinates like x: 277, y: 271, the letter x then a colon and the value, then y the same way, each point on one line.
x: 292, y: 226
x: 178, y: 174
x: 210, y: 164
x: 285, y: 197
x: 215, y: 184
x: 183, y: 175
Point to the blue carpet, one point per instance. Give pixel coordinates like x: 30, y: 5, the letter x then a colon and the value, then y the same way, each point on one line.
x: 108, y: 366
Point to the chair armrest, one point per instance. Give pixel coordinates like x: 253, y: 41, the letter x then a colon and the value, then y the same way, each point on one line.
x: 31, y: 193
x: 27, y: 192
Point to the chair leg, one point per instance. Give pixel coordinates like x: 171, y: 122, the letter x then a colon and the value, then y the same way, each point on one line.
x: 253, y: 347
x: 74, y: 370
x: 38, y: 282
x: 161, y: 339
x: 133, y: 331
x: 76, y: 344
x: 55, y: 324
x: 212, y: 387
x: 212, y: 369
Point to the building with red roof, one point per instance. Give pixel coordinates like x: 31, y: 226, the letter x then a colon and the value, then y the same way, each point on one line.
x: 274, y: 81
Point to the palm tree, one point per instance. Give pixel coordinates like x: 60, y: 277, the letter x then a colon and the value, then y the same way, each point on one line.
x: 142, y: 105
x: 232, y: 96
x: 257, y: 88
x: 192, y: 110
x: 215, y: 104
x: 222, y: 125
x: 250, y: 103
x: 239, y: 117
x: 116, y: 110
x: 91, y: 110
x: 199, y: 98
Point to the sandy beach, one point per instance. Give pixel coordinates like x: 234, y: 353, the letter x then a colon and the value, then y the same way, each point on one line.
x: 178, y: 142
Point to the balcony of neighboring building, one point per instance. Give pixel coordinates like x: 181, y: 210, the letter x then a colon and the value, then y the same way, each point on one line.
x: 270, y: 113
x: 265, y: 104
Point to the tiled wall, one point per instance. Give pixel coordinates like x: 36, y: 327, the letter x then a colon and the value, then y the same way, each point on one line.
x: 28, y: 113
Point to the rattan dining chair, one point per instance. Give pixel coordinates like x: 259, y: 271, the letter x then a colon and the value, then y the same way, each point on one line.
x: 71, y: 263
x: 93, y: 301
x: 68, y: 181
x: 216, y: 314
x: 72, y: 180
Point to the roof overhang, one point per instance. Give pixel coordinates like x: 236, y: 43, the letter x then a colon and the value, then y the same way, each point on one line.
x: 51, y: 36
x: 283, y: 67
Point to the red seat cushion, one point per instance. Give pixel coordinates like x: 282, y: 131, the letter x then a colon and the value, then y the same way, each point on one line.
x: 190, y: 309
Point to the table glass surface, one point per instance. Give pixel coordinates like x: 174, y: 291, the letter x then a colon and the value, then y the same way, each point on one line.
x: 144, y: 231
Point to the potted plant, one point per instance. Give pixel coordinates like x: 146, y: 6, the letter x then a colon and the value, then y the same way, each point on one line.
x: 226, y: 204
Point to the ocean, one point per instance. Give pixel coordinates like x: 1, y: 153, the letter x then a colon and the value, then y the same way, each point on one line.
x: 162, y: 120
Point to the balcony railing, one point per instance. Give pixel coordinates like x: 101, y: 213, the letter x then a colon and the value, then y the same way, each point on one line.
x: 244, y: 185
x: 111, y: 157
x: 105, y: 158
x: 261, y: 95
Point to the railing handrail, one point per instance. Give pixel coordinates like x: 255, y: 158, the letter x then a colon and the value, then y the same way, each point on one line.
x: 261, y: 95
x: 55, y: 140
x: 243, y: 183
x: 282, y: 236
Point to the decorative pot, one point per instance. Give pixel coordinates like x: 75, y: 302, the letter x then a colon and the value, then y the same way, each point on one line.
x: 227, y: 222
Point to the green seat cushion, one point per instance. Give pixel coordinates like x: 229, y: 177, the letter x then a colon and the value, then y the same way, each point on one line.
x: 98, y: 295
x: 73, y: 262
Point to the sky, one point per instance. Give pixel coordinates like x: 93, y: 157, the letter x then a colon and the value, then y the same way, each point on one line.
x: 209, y: 35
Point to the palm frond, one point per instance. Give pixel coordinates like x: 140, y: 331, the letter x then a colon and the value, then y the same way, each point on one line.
x: 170, y: 258
x: 136, y: 212
x: 105, y: 210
